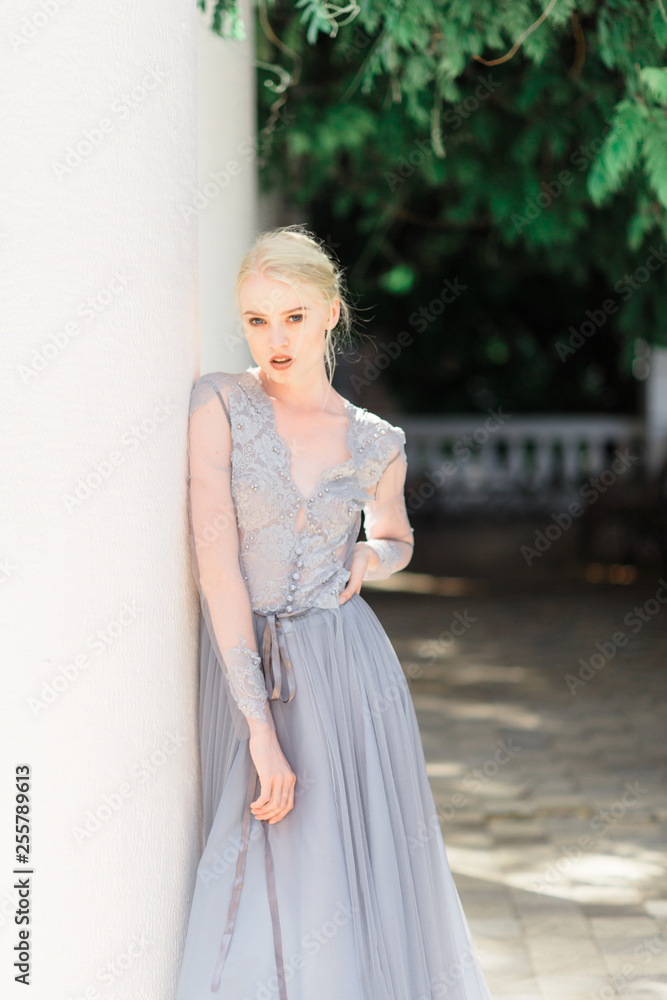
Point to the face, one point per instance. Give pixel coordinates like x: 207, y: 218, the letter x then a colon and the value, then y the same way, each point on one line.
x: 280, y: 322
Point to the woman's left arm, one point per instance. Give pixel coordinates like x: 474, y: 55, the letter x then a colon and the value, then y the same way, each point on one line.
x: 389, y: 543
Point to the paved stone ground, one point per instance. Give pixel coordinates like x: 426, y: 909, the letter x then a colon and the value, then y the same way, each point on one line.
x: 552, y: 800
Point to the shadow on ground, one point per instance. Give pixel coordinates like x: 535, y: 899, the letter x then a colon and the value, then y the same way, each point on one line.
x: 541, y: 696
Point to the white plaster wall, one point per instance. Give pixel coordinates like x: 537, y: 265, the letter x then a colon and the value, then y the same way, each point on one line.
x: 98, y: 613
x: 226, y: 195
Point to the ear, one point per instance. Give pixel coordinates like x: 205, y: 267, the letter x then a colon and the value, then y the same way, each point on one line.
x: 334, y: 313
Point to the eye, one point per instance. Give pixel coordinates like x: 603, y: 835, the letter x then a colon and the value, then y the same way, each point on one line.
x: 297, y: 316
x: 253, y: 318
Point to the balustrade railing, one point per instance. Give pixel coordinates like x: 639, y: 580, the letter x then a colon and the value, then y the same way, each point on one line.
x: 515, y: 462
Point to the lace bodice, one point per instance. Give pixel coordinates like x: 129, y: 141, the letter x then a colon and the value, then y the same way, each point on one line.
x: 251, y: 523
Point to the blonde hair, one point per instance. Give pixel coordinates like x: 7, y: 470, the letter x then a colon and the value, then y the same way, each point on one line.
x: 296, y: 256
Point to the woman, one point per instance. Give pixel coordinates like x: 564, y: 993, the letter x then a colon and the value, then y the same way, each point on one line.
x: 324, y: 874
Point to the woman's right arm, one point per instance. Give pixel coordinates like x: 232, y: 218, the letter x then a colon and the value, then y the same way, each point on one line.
x: 222, y: 587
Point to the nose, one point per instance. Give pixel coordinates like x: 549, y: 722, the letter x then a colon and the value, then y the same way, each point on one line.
x: 277, y: 336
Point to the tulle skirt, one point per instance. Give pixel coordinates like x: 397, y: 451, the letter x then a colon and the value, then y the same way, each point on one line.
x: 367, y: 905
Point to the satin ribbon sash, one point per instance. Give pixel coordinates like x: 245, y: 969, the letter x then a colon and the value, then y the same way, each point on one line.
x: 275, y: 657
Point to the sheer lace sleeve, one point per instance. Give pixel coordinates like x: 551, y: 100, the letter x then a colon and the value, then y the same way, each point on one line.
x: 215, y: 548
x: 386, y: 525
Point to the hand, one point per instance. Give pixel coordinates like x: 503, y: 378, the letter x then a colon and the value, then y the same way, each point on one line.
x: 362, y: 557
x: 277, y: 779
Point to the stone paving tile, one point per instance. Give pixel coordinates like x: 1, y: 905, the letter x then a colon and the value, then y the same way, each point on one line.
x: 572, y: 987
x: 559, y: 849
x: 634, y: 960
x: 606, y: 928
x: 643, y: 988
x: 496, y: 927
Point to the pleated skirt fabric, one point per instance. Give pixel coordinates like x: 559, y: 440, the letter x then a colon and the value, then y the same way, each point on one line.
x: 367, y: 904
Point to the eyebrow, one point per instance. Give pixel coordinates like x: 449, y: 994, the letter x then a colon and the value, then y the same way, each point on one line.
x: 253, y: 312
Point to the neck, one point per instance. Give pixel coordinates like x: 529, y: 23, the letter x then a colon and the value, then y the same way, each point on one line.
x: 309, y: 392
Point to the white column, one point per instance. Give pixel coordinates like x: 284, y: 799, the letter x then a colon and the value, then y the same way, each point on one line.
x: 98, y: 612
x: 656, y: 409
x: 226, y: 195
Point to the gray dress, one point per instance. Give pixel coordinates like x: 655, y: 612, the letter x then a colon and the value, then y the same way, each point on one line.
x: 349, y: 895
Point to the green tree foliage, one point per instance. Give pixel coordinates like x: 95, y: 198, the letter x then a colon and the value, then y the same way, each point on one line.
x: 537, y: 185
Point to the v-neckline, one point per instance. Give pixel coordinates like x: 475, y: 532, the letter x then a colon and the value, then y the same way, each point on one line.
x: 287, y: 451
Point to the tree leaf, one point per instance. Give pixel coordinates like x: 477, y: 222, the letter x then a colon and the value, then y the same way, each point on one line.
x: 619, y: 153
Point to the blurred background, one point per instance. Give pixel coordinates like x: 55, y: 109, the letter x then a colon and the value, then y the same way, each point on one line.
x: 493, y: 178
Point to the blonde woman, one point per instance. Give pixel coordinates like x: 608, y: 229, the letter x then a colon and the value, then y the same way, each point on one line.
x: 324, y: 873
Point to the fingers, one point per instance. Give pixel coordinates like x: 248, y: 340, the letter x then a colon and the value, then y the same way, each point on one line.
x: 353, y: 586
x: 286, y: 803
x: 276, y: 799
x: 357, y: 571
x: 346, y: 594
x: 264, y: 797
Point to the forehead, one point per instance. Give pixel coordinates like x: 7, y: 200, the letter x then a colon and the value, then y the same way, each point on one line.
x: 269, y: 294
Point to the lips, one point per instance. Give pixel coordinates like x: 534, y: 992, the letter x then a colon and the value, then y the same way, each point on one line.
x: 281, y: 361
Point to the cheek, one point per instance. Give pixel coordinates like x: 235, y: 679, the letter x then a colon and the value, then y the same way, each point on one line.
x: 311, y: 335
